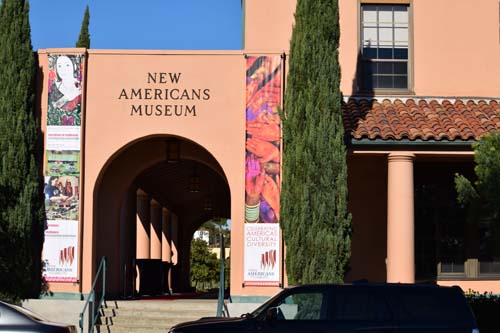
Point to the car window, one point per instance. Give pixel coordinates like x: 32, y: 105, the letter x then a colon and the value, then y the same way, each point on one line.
x: 437, y: 306
x: 301, y: 306
x: 359, y: 306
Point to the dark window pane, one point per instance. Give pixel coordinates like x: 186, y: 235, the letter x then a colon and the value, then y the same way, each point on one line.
x: 489, y: 267
x: 400, y: 53
x: 367, y: 81
x: 385, y: 82
x: 385, y: 68
x: 385, y: 53
x: 439, y: 306
x: 446, y: 267
x: 401, y: 82
x: 359, y: 306
x: 369, y: 68
x: 370, y: 52
x: 401, y: 68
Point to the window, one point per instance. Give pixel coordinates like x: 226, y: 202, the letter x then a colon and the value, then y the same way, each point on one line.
x: 432, y: 306
x: 453, y: 241
x: 384, y: 47
x: 301, y: 306
x: 350, y: 305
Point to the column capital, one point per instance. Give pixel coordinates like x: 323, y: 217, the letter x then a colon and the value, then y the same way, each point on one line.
x: 401, y: 157
x: 154, y: 204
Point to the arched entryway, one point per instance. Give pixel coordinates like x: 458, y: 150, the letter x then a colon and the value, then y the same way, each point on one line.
x: 149, y: 199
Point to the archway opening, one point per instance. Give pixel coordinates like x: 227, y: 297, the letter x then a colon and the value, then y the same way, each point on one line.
x: 210, y: 252
x: 147, y: 205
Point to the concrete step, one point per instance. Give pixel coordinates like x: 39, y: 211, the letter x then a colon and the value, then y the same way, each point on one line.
x: 107, y: 312
x: 120, y: 319
x: 152, y: 315
x: 134, y: 321
x: 165, y: 323
x: 123, y: 329
x: 156, y: 313
x: 163, y: 305
x: 162, y: 326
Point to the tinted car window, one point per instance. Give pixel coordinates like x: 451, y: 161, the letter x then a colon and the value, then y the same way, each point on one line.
x: 443, y: 305
x: 359, y: 305
x: 301, y: 306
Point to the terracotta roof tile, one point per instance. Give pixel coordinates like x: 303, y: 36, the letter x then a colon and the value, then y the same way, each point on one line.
x: 420, y: 119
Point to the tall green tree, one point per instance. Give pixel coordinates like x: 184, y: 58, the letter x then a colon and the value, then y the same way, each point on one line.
x: 21, y: 198
x: 84, y: 38
x: 482, y: 196
x: 314, y: 216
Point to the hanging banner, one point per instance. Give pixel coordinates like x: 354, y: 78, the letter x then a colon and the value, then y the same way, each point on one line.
x: 61, y: 252
x: 262, y: 170
x: 62, y: 167
x: 262, y: 254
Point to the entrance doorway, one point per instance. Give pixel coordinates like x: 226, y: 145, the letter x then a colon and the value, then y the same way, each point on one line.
x: 150, y: 198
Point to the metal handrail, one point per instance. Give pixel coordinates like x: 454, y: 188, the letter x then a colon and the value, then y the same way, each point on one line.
x: 91, y: 296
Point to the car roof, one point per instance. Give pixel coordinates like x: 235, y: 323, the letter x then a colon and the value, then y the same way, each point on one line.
x: 375, y: 285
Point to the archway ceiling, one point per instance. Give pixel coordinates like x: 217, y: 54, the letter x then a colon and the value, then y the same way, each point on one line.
x: 168, y: 183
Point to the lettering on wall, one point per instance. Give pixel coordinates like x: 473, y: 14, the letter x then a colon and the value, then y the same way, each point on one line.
x: 163, y: 96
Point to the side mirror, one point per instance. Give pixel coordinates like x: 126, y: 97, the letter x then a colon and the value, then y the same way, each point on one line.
x: 272, y: 314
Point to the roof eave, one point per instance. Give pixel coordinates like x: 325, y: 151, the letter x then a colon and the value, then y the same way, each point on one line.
x: 377, y: 144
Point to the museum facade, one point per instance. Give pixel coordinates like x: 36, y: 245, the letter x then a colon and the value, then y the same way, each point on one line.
x: 143, y: 147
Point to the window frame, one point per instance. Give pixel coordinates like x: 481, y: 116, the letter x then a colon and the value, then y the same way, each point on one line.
x: 359, y: 75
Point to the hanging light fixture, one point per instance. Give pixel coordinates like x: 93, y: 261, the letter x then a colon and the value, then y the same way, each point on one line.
x: 194, y: 181
x: 207, y: 204
x: 173, y: 150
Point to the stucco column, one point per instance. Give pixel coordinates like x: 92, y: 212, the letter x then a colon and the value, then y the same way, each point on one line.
x: 174, y: 220
x: 142, y: 225
x: 174, y: 246
x: 156, y: 225
x: 400, y: 219
x: 166, y: 237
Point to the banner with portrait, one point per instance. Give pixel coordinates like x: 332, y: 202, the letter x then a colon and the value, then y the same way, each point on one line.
x: 262, y: 167
x: 62, y: 167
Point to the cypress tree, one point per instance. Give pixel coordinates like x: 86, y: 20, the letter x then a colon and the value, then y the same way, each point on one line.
x: 21, y: 203
x: 84, y: 37
x: 314, y: 215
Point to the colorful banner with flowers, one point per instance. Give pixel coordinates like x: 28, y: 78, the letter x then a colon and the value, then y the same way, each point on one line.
x: 62, y: 167
x: 262, y: 171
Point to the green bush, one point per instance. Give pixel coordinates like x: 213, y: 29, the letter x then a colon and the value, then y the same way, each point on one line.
x: 204, y: 266
x: 486, y: 308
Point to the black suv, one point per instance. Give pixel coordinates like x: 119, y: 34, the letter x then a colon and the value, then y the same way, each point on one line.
x: 359, y: 307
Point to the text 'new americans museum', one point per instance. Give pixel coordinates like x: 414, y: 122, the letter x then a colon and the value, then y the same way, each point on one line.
x: 166, y: 98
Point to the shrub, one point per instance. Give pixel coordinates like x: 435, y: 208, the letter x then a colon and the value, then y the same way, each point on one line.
x: 486, y: 308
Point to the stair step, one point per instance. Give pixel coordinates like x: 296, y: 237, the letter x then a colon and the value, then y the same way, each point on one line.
x: 123, y: 329
x: 152, y: 315
x: 176, y: 304
x: 156, y: 313
x: 141, y: 320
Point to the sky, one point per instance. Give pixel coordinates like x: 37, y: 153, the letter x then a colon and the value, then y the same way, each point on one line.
x: 136, y: 24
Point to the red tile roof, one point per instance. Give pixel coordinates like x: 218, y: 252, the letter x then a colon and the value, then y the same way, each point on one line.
x: 420, y: 119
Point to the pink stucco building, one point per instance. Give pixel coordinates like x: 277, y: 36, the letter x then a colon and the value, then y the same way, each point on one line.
x: 420, y: 80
